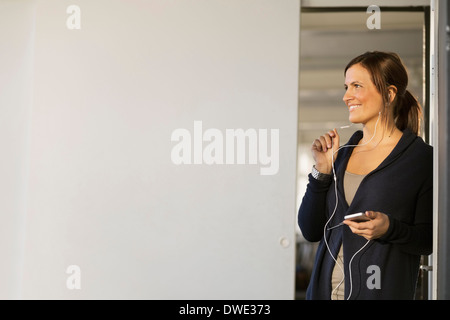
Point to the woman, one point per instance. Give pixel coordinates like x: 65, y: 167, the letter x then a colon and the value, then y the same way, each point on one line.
x: 384, y: 171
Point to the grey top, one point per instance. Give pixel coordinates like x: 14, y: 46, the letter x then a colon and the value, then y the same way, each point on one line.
x: 351, y: 184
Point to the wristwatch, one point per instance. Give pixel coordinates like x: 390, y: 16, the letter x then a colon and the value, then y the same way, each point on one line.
x: 319, y: 175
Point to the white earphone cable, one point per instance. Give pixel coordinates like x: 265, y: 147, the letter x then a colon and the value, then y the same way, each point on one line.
x: 334, y: 211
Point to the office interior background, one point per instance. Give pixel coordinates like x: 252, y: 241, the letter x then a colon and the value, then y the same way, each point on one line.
x: 96, y: 95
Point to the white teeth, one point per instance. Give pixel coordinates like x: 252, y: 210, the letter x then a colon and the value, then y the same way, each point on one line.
x: 354, y: 106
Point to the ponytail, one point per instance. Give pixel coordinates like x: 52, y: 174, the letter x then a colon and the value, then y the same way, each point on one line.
x: 407, y: 112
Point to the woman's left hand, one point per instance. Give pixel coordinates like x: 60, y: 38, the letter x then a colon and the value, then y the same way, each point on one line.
x: 375, y: 228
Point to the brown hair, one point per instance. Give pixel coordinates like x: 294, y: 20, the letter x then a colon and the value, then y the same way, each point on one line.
x: 387, y: 69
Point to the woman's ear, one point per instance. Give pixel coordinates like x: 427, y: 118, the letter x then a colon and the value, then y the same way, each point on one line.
x: 392, y: 92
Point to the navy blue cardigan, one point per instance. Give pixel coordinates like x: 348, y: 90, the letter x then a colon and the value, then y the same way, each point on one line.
x: 401, y: 187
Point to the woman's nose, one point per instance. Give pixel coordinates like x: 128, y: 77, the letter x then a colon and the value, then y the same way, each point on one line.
x: 346, y: 96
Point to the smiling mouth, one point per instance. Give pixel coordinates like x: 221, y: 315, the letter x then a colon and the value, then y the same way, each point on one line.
x: 353, y: 107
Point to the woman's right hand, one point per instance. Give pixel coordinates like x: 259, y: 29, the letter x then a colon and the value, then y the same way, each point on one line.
x: 322, y: 151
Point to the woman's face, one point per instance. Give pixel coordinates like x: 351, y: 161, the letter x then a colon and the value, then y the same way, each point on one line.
x: 362, y: 98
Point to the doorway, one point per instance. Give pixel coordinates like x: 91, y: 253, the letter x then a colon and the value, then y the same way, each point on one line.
x: 329, y: 39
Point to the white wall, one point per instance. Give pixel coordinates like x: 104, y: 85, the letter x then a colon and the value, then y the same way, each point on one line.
x: 16, y: 67
x: 103, y: 192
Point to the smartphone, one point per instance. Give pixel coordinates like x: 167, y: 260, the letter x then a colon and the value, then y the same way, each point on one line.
x: 357, y: 217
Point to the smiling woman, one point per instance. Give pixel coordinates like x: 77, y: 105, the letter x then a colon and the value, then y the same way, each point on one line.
x: 383, y: 160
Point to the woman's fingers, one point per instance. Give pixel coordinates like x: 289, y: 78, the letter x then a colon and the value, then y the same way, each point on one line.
x: 324, y: 142
x: 375, y: 228
x: 323, y: 149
